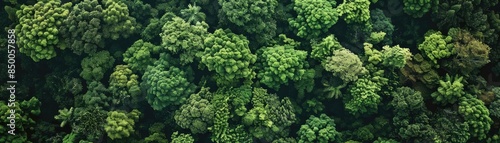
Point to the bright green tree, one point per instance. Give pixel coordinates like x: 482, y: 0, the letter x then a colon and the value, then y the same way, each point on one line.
x: 314, y: 17
x: 38, y: 28
x: 229, y: 56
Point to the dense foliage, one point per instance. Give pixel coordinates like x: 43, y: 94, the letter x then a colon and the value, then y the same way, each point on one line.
x: 245, y: 71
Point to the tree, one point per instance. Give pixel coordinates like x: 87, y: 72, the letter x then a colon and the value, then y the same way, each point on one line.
x: 38, y: 28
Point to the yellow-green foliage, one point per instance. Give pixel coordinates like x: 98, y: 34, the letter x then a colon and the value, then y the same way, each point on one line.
x: 436, y: 46
x: 38, y: 28
x: 476, y: 115
x: 120, y: 124
x: 344, y: 64
x: 117, y: 22
x: 123, y: 84
x: 355, y: 11
x: 449, y: 90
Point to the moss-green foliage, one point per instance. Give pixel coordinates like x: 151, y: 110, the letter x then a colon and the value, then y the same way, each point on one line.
x: 411, y: 116
x: 318, y: 130
x: 124, y: 85
x: 229, y: 56
x: 140, y: 55
x: 82, y: 29
x: 69, y: 138
x: 152, y: 31
x: 280, y: 64
x: 325, y: 48
x: 476, y: 115
x: 95, y: 66
x: 257, y: 16
x: 471, y: 53
x: 449, y: 91
x: 25, y: 112
x: 38, y: 28
x: 166, y: 85
x: 181, y: 138
x: 182, y: 38
x: 97, y: 95
x: 121, y: 124
x: 436, y: 46
x: 117, y: 21
x: 345, y: 65
x: 314, y: 17
x: 420, y: 69
x: 355, y: 11
x: 417, y: 8
x: 197, y: 113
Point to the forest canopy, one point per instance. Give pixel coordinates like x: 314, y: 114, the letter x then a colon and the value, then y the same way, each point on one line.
x: 247, y: 71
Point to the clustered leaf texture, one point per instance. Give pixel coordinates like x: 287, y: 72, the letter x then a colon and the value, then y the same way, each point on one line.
x: 382, y: 23
x: 417, y: 8
x: 395, y: 57
x: 221, y: 130
x: 318, y: 130
x: 355, y: 11
x: 25, y: 113
x: 123, y: 84
x: 436, y: 46
x: 38, y: 28
x: 345, y: 65
x: 97, y: 95
x: 325, y: 48
x: 364, y: 98
x: 449, y: 91
x: 229, y: 56
x: 255, y: 15
x: 279, y: 64
x: 314, y: 17
x: 166, y: 85
x: 140, y: 55
x: 411, y: 116
x: 181, y: 138
x: 180, y: 37
x: 82, y: 29
x: 117, y: 22
x: 476, y: 115
x: 269, y: 116
x: 94, y: 66
x: 120, y: 124
x: 197, y: 113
